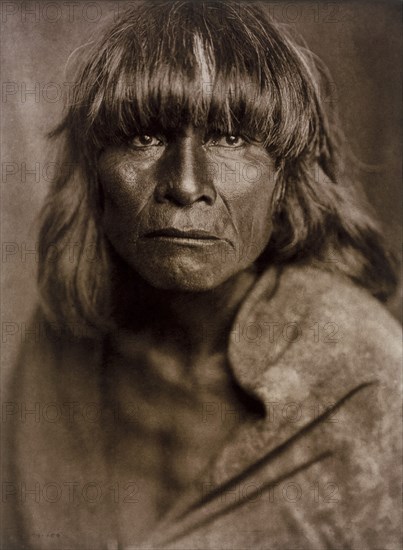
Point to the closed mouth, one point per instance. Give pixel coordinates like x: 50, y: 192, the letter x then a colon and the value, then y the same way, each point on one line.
x: 173, y: 233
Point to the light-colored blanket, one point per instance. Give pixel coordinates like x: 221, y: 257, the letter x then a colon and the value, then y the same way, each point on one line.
x: 320, y: 470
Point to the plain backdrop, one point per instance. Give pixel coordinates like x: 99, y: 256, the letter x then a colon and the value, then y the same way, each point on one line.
x: 358, y: 41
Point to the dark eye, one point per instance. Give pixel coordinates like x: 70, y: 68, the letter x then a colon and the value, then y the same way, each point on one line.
x: 229, y: 140
x: 145, y: 140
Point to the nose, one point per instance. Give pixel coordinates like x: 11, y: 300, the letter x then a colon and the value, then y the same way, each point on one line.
x: 184, y: 177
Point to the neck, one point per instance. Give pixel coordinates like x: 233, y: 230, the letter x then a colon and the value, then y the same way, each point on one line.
x: 198, y: 322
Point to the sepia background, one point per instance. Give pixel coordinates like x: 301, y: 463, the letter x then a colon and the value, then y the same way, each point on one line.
x: 358, y: 41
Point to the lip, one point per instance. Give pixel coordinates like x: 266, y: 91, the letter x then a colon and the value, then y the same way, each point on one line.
x: 180, y: 234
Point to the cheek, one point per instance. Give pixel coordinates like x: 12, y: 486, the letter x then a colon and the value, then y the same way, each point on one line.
x: 124, y: 196
x: 250, y: 202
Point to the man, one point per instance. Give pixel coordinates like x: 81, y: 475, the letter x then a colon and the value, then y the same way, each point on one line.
x: 220, y: 374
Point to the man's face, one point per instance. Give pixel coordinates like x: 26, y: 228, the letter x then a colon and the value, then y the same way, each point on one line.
x: 187, y: 211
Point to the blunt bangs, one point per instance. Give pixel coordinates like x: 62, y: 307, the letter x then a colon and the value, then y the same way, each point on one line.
x: 170, y: 64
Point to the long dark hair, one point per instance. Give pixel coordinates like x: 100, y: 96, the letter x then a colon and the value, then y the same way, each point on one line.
x: 144, y: 69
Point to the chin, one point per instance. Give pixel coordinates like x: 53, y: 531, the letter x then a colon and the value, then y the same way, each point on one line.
x: 182, y: 278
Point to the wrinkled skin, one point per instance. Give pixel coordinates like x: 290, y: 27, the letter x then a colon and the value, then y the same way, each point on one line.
x: 188, y: 181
